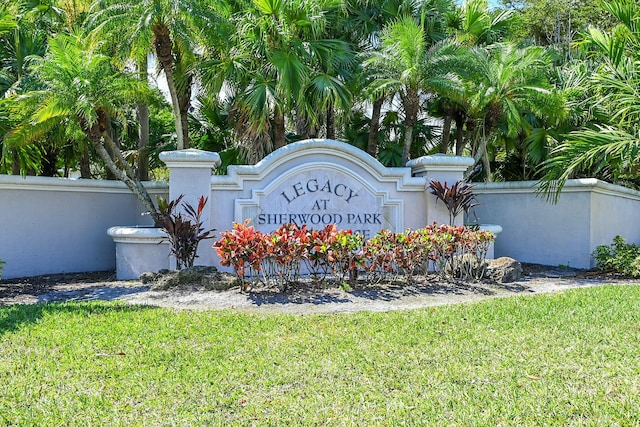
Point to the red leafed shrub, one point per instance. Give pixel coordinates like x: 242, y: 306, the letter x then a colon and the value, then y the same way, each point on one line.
x: 458, y: 198
x: 242, y: 248
x: 388, y: 253
x: 455, y: 252
x: 379, y: 254
x: 320, y: 257
x: 345, y: 255
x: 285, y: 249
x: 185, y: 231
x: 459, y: 252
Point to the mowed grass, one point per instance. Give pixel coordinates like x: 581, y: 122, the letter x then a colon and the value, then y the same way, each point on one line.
x: 571, y: 358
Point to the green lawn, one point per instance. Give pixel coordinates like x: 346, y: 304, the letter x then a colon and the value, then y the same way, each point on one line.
x: 571, y: 358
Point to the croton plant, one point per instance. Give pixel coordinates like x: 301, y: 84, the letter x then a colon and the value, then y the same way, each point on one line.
x: 278, y: 257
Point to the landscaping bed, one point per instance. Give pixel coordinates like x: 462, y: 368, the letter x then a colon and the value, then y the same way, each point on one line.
x: 425, y: 290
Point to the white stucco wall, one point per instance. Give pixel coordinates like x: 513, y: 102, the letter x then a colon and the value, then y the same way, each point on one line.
x: 588, y: 213
x: 57, y: 225
x: 615, y: 211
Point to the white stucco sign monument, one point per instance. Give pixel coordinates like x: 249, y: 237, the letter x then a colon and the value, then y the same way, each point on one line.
x: 317, y: 183
x: 320, y: 194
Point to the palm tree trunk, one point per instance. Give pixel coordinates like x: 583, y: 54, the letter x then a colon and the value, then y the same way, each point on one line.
x: 85, y: 162
x: 278, y: 129
x: 103, y: 127
x: 136, y: 187
x: 302, y: 125
x: 143, y: 142
x: 15, y: 163
x: 331, y: 121
x: 164, y: 52
x: 408, y: 139
x: 411, y: 103
x: 446, y: 133
x: 481, y: 155
x: 142, y: 111
x: 184, y: 102
x: 110, y: 149
x: 313, y: 131
x: 116, y: 155
x: 486, y: 164
x: 460, y: 142
x: 374, y: 127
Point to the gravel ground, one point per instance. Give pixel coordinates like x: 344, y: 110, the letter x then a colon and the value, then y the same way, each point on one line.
x: 425, y: 291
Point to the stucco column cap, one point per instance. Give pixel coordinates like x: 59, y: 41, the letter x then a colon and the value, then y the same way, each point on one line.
x: 190, y: 158
x: 440, y: 162
x: 136, y: 234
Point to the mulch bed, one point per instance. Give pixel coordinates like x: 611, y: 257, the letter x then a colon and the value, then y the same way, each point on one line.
x: 39, y: 285
x: 21, y: 289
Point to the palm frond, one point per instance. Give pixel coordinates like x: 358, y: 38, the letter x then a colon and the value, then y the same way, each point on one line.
x: 7, y: 22
x: 590, y: 150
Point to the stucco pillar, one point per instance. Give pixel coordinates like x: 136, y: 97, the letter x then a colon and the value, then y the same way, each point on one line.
x: 190, y: 173
x: 446, y: 169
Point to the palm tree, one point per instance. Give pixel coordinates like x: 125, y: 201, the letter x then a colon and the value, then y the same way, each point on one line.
x: 364, y: 21
x: 24, y: 33
x: 277, y: 63
x: 7, y: 21
x: 173, y: 28
x: 33, y: 23
x: 610, y: 149
x: 82, y: 89
x: 508, y: 83
x: 473, y: 24
x: 408, y: 66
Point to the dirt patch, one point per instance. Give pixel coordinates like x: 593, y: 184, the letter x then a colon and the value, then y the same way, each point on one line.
x: 101, y: 285
x: 307, y: 298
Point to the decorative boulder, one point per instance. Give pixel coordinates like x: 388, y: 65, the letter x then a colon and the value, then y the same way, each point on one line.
x: 504, y: 270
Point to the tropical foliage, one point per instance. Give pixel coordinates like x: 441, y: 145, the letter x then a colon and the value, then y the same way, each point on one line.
x: 458, y: 198
x: 408, y: 66
x: 528, y: 95
x: 608, y: 147
x: 184, y: 229
x: 277, y: 257
x: 81, y: 91
x: 620, y: 256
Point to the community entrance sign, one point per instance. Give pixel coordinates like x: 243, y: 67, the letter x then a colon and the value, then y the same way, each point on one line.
x: 313, y: 183
x: 322, y: 182
x: 319, y: 194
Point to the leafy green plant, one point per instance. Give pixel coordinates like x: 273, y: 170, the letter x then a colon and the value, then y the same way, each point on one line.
x: 346, y: 255
x: 458, y: 198
x: 620, y: 256
x: 185, y: 231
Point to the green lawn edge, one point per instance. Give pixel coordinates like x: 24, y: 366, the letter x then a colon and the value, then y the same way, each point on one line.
x: 569, y: 358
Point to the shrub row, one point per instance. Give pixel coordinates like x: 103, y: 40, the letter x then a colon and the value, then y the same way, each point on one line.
x: 278, y: 257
